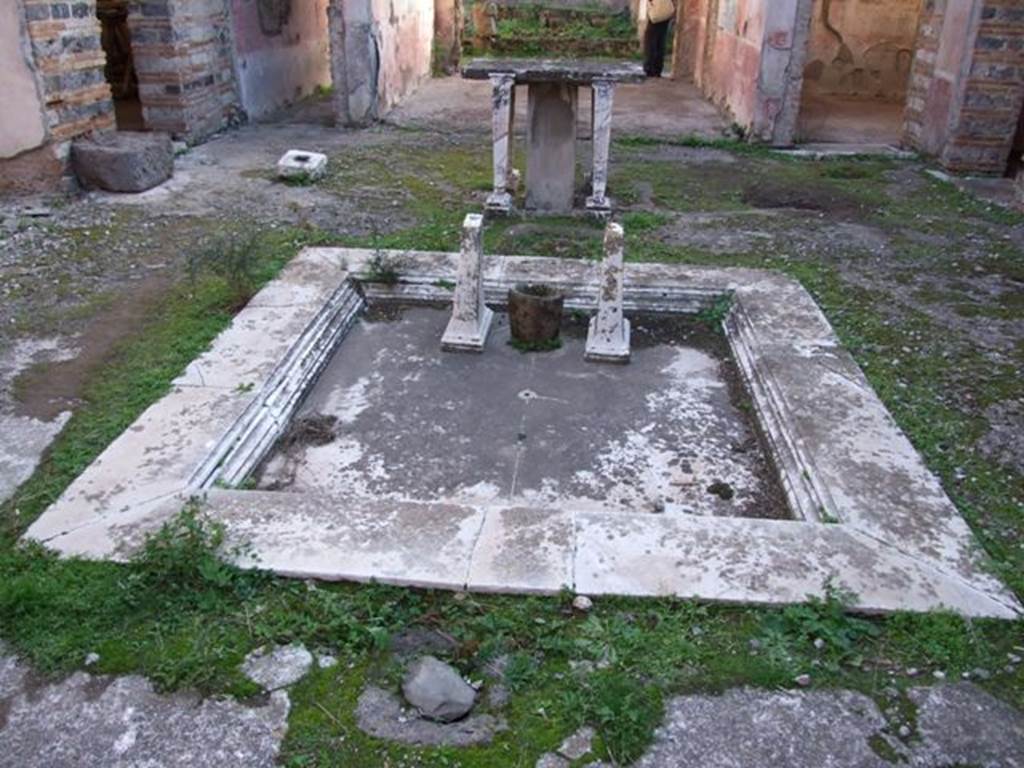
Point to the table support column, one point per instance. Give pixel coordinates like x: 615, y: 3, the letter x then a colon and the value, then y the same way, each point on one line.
x: 601, y: 130
x: 503, y: 106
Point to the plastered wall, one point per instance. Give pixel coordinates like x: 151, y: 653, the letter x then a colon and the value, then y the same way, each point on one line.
x: 861, y: 48
x: 23, y: 127
x: 380, y: 53
x: 282, y: 51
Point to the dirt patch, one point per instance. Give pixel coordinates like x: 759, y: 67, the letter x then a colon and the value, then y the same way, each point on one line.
x: 47, y: 389
x: 804, y: 197
x: 1004, y: 442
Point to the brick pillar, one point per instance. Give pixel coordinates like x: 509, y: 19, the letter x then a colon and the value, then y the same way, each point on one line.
x: 985, y: 127
x: 967, y: 83
x: 184, y: 57
x: 69, y: 60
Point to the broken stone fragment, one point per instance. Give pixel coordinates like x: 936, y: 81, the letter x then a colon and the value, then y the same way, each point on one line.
x: 381, y: 714
x: 437, y: 690
x: 277, y: 668
x: 300, y: 164
x: 582, y: 603
x: 578, y: 744
x: 123, y: 161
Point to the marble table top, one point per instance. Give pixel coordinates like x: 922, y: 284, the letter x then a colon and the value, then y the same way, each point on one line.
x: 574, y: 71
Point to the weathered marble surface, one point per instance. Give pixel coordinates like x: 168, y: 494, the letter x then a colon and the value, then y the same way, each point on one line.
x: 604, y: 92
x: 578, y: 72
x: 471, y: 319
x: 503, y: 110
x: 122, y: 722
x: 888, y: 533
x: 608, y: 336
x: 957, y: 724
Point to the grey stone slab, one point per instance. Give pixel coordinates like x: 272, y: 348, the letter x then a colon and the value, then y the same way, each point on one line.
x: 576, y: 71
x: 278, y: 667
x: 551, y: 147
x: 956, y: 725
x: 306, y: 280
x: 962, y: 724
x: 87, y: 720
x: 247, y: 352
x: 150, y: 462
x: 760, y: 561
x: 746, y: 728
x: 123, y: 161
x: 839, y: 447
x: 523, y: 551
x: 311, y: 536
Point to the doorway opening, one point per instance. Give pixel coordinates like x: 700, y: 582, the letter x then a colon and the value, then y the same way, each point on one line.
x: 115, y: 37
x: 857, y: 72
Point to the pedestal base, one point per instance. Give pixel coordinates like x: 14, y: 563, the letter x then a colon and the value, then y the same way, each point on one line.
x: 460, y: 336
x: 603, y: 349
x: 599, y: 207
x: 498, y: 202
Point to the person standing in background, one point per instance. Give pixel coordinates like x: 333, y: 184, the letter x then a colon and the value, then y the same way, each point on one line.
x: 659, y: 15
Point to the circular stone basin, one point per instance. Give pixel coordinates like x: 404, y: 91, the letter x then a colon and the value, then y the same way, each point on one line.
x: 535, y: 313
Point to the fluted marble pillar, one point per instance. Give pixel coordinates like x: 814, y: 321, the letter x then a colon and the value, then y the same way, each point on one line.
x: 503, y: 110
x: 603, y: 91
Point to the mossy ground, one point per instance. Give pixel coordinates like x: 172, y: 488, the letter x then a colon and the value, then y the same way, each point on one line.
x: 922, y: 284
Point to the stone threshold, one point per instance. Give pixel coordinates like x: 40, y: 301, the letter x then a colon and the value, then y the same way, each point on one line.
x: 872, y: 518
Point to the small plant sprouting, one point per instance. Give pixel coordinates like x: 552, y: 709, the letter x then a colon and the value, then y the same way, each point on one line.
x: 234, y: 258
x: 820, y: 619
x: 714, y: 315
x: 447, y: 285
x: 382, y: 269
x: 244, y: 387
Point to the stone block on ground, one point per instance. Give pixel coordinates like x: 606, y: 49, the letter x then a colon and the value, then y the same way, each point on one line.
x: 300, y: 164
x: 380, y: 714
x: 123, y: 161
x: 277, y: 667
x: 437, y: 690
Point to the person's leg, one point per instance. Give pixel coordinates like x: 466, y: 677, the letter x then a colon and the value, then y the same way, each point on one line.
x: 658, y: 59
x: 650, y: 41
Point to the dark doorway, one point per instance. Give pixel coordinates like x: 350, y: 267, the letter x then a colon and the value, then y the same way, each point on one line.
x: 859, y: 55
x: 116, y: 40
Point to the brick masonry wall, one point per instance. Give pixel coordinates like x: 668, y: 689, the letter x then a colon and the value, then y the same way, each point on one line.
x: 984, y: 130
x: 984, y: 112
x: 184, y: 57
x: 65, y: 41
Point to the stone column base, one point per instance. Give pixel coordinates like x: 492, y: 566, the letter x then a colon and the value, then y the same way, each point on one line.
x: 607, y: 350
x: 462, y: 337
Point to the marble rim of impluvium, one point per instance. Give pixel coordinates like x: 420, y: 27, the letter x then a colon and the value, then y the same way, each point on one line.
x: 869, y: 517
